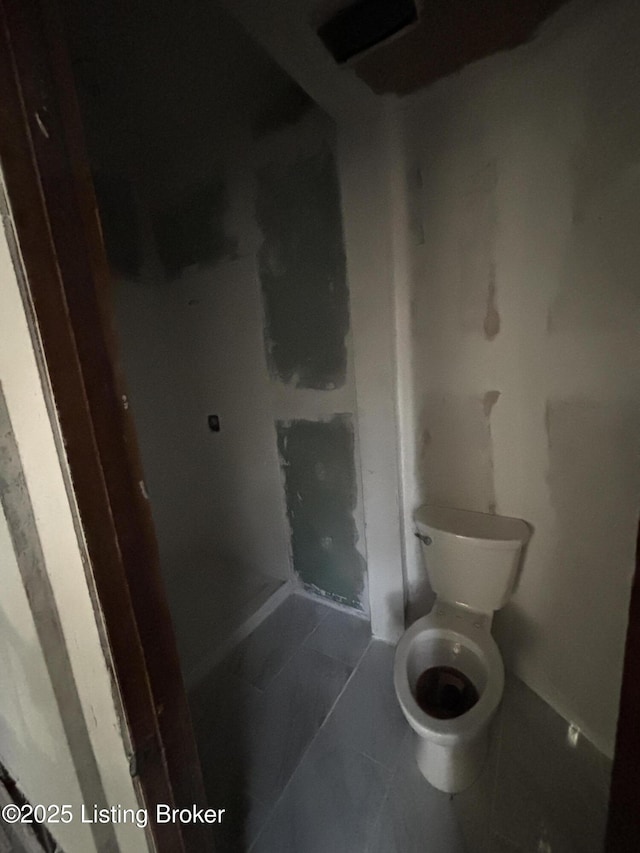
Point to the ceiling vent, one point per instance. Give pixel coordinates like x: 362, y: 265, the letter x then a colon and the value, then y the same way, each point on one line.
x: 364, y: 24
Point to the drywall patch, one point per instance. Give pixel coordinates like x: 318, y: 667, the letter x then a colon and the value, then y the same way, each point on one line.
x: 455, y: 453
x: 594, y: 483
x: 477, y: 297
x: 119, y: 221
x: 302, y: 271
x: 191, y: 230
x: 317, y: 458
x: 491, y: 325
x: 489, y: 401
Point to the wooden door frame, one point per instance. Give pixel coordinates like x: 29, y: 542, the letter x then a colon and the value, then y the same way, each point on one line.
x: 623, y: 829
x: 50, y: 192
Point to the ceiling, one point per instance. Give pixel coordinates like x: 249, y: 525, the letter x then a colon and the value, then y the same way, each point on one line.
x: 449, y: 35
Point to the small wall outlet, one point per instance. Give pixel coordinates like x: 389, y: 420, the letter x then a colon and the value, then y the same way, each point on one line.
x: 214, y: 423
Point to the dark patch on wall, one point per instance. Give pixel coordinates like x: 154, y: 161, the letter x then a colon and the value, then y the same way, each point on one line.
x: 192, y: 229
x: 489, y: 400
x: 491, y: 325
x: 317, y: 458
x: 287, y: 109
x: 302, y: 271
x: 119, y: 221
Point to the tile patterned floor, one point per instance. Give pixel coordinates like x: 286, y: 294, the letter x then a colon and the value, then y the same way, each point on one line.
x: 237, y: 595
x: 303, y: 742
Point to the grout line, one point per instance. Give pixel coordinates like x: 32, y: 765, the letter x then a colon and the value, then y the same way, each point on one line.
x: 296, y: 650
x: 321, y: 622
x: 222, y: 650
x: 287, y: 660
x: 310, y: 744
x: 378, y: 820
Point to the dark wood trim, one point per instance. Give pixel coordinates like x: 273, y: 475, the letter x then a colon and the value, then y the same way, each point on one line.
x: 51, y: 196
x: 623, y: 830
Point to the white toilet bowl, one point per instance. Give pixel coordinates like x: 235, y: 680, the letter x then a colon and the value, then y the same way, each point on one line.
x: 450, y: 752
x: 448, y: 671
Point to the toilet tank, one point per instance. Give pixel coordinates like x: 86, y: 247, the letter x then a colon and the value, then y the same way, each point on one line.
x: 471, y: 557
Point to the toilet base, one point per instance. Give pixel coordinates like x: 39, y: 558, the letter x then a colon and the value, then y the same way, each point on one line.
x: 452, y: 768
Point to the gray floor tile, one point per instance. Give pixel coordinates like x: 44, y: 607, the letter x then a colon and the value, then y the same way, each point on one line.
x: 548, y: 792
x: 341, y: 636
x: 368, y: 717
x: 415, y: 818
x: 260, y: 657
x: 287, y: 717
x: 259, y: 720
x: 211, y: 601
x: 243, y: 820
x: 225, y: 714
x: 330, y: 805
x: 473, y: 807
x: 219, y: 707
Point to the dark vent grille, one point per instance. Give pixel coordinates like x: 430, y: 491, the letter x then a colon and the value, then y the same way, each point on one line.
x: 365, y: 24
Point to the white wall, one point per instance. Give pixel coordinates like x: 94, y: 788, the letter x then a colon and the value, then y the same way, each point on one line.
x: 38, y: 729
x: 523, y: 188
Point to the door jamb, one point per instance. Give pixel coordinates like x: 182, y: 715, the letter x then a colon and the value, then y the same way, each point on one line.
x: 50, y: 192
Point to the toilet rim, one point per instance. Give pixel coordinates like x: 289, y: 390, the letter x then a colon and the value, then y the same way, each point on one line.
x: 467, y: 725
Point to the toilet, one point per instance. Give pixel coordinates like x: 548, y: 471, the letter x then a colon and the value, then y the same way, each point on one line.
x: 448, y: 671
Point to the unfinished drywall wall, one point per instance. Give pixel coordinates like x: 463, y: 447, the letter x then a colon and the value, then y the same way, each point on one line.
x: 301, y: 267
x: 525, y: 319
x: 456, y: 450
x: 190, y: 229
x: 301, y: 264
x: 372, y: 222
x: 62, y: 736
x: 321, y: 489
x: 239, y: 306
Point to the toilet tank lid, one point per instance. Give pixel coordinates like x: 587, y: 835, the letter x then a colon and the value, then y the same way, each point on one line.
x: 472, y: 525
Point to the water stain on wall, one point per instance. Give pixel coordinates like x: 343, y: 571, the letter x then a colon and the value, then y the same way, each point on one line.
x: 594, y: 484
x: 456, y: 452
x: 191, y: 230
x: 302, y: 271
x: 317, y: 458
x: 477, y: 292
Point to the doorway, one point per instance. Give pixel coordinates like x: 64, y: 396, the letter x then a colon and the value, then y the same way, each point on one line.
x: 283, y: 438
